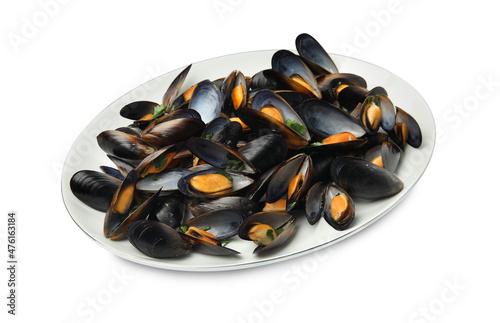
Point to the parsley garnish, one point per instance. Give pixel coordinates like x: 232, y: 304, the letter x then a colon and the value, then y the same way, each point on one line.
x: 297, y: 127
x: 269, y: 234
x: 184, y: 228
x: 234, y: 163
x: 158, y: 110
x: 154, y: 177
x: 159, y: 163
x: 226, y: 175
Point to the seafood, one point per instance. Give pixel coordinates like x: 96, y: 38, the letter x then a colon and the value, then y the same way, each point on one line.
x: 243, y: 157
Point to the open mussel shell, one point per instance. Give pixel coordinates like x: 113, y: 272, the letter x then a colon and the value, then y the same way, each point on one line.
x: 123, y: 166
x: 293, y: 98
x: 166, y: 180
x: 140, y: 213
x: 266, y: 99
x: 329, y: 84
x: 363, y: 179
x: 338, y: 207
x: 235, y: 203
x: 157, y: 240
x: 138, y: 109
x: 172, y: 131
x: 238, y: 181
x: 222, y: 224
x: 206, y: 100
x: 386, y: 155
x: 219, y: 155
x: 290, y: 181
x: 125, y: 146
x: 174, y: 88
x: 113, y: 172
x: 258, y: 189
x: 325, y: 119
x: 351, y: 95
x: 278, y: 221
x: 265, y: 152
x: 259, y: 121
x: 157, y: 161
x: 414, y: 136
x: 310, y: 48
x: 239, y: 92
x: 224, y: 131
x: 95, y: 189
x: 289, y: 64
x: 169, y: 210
x: 120, y: 205
x: 387, y: 112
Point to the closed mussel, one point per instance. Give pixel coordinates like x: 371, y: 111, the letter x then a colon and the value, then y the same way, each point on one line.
x: 95, y: 189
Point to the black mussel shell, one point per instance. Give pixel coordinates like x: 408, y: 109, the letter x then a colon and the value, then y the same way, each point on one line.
x: 315, y: 200
x: 293, y: 98
x: 309, y: 48
x: 265, y: 152
x: 206, y: 100
x: 157, y: 240
x: 236, y: 203
x: 138, y: 109
x: 125, y: 146
x: 347, y: 216
x: 351, y: 96
x: 172, y: 131
x: 389, y: 154
x: 113, y: 172
x: 95, y: 189
x: 166, y: 180
x: 363, y: 179
x: 175, y: 86
x: 325, y: 119
x: 414, y: 132
x: 169, y: 210
x: 222, y: 224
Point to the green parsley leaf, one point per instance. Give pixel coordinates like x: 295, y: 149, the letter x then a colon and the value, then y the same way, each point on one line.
x: 209, y: 136
x: 350, y: 137
x: 223, y: 173
x: 225, y: 242
x: 159, y: 163
x: 172, y: 108
x: 292, y: 204
x: 166, y: 204
x: 317, y: 144
x: 279, y: 231
x: 154, y: 177
x: 184, y: 228
x: 158, y: 110
x: 297, y: 127
x: 234, y: 163
x: 269, y: 234
x: 205, y: 228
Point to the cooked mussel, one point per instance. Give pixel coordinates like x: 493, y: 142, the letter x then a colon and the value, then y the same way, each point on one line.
x: 169, y: 210
x: 95, y: 189
x: 172, y: 131
x: 386, y: 155
x: 206, y: 100
x: 157, y: 240
x: 310, y: 49
x: 236, y: 203
x: 363, y: 179
x: 268, y: 230
x: 265, y: 152
x: 125, y: 146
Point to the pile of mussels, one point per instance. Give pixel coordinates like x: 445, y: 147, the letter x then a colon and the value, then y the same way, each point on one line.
x: 235, y: 155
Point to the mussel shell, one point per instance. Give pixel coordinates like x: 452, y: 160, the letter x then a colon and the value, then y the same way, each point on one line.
x: 265, y: 152
x: 113, y: 172
x: 330, y: 192
x: 315, y: 200
x: 166, y: 180
x: 95, y: 189
x: 276, y: 220
x: 123, y: 166
x: 240, y: 182
x: 258, y: 189
x: 279, y: 182
x: 137, y: 109
x: 219, y: 156
x: 172, y: 131
x: 351, y: 96
x: 207, y: 248
x: 388, y: 112
x: 343, y: 147
x: 258, y: 121
x: 363, y: 179
x: 236, y: 203
x: 157, y: 240
x: 125, y: 146
x: 175, y: 86
x: 157, y: 161
x: 206, y: 100
x: 325, y: 119
x: 389, y: 152
x: 140, y: 213
x: 289, y: 64
x: 223, y: 224
x: 169, y: 210
x: 115, y: 215
x: 293, y: 98
x: 229, y: 134
x: 415, y: 134
x: 309, y: 48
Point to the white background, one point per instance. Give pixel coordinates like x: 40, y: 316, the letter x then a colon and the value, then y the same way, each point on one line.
x: 435, y: 253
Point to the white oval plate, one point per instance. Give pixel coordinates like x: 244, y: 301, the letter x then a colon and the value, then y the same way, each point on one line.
x: 86, y: 154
